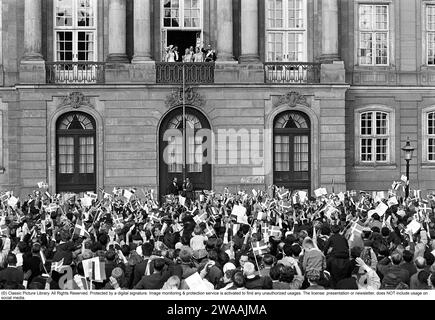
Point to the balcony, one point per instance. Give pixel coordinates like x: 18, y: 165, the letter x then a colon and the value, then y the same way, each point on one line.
x: 194, y: 72
x: 75, y: 72
x: 291, y: 72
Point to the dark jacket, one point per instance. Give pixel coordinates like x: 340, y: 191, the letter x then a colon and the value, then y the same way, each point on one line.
x: 173, y: 189
x: 64, y: 251
x: 154, y: 281
x: 258, y: 283
x: 12, y: 275
x: 339, y: 245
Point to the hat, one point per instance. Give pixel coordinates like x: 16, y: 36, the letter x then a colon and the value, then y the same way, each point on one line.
x: 228, y: 266
x: 199, y: 254
x: 178, y: 245
x: 117, y: 273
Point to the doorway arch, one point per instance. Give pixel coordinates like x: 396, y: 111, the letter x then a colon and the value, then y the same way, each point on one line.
x: 292, y: 150
x: 75, y: 152
x: 174, y: 152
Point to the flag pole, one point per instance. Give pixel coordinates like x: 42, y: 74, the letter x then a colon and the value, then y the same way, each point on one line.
x: 184, y: 124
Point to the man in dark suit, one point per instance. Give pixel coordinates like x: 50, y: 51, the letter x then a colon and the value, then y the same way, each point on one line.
x: 209, y: 54
x: 12, y: 275
x: 156, y: 280
x: 173, y: 188
x: 188, y: 189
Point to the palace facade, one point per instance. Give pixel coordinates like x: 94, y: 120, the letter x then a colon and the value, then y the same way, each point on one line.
x: 304, y: 94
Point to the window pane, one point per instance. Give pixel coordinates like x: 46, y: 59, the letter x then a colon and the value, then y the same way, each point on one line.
x: 431, y: 149
x: 431, y: 48
x: 295, y: 46
x: 431, y: 123
x: 381, y: 123
x: 381, y: 48
x: 66, y: 155
x: 275, y: 14
x: 85, y: 13
x: 381, y: 150
x: 301, y: 153
x: 275, y: 46
x: 175, y: 154
x: 366, y: 123
x: 282, y: 153
x: 86, y: 154
x: 366, y: 150
x: 295, y: 14
x: 64, y: 13
x: 365, y: 17
x: 366, y: 48
x: 381, y: 18
x: 64, y: 45
x: 430, y: 17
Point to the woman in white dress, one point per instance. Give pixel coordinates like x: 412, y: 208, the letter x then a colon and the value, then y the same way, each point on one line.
x: 170, y: 55
x: 198, y: 56
x: 188, y: 57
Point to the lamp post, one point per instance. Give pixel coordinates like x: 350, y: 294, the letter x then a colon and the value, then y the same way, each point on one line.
x: 408, y: 149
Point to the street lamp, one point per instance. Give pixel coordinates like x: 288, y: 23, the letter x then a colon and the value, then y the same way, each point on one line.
x: 408, y: 156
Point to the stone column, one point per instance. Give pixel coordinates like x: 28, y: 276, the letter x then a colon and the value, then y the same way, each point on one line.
x: 142, y: 31
x: 225, y: 30
x: 329, y: 31
x: 249, y: 31
x: 117, y: 31
x: 32, y: 31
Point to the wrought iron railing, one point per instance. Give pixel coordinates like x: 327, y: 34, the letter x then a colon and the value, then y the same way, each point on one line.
x: 292, y: 72
x: 75, y: 72
x: 194, y: 72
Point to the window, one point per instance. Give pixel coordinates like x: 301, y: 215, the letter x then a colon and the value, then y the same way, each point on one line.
x: 429, y: 136
x: 182, y: 14
x: 374, y: 136
x: 374, y: 35
x: 75, y: 30
x: 286, y: 30
x: 430, y: 34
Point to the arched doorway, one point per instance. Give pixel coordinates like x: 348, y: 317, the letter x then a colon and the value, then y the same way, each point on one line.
x: 174, y: 152
x: 75, y: 153
x: 292, y: 151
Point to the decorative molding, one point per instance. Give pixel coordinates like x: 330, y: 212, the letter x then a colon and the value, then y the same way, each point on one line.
x: 76, y: 100
x: 191, y: 98
x: 292, y: 99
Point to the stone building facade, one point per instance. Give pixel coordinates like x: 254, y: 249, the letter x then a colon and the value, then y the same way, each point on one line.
x: 304, y: 93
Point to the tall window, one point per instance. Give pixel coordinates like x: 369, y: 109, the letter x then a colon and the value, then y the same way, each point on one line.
x: 75, y: 153
x: 182, y: 13
x: 286, y: 30
x: 373, y: 48
x: 374, y: 136
x: 430, y: 34
x: 75, y: 28
x: 430, y: 136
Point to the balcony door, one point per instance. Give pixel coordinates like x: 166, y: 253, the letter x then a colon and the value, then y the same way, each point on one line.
x: 181, y: 25
x: 75, y: 153
x: 172, y: 149
x: 75, y: 40
x: 292, y: 151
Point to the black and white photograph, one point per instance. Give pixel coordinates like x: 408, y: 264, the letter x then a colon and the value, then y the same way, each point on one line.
x: 218, y: 154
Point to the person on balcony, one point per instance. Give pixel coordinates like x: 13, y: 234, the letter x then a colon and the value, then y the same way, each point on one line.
x: 198, y: 56
x: 210, y: 54
x: 177, y: 56
x: 170, y: 54
x: 188, y: 56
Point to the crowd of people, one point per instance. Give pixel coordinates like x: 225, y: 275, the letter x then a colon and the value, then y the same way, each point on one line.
x: 241, y: 240
x: 191, y: 54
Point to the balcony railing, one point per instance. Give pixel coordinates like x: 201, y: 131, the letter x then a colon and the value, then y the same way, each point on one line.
x: 292, y: 72
x: 194, y: 72
x: 75, y: 72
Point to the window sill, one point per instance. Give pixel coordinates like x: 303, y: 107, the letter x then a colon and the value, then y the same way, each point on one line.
x: 428, y: 165
x: 374, y: 67
x: 377, y: 166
